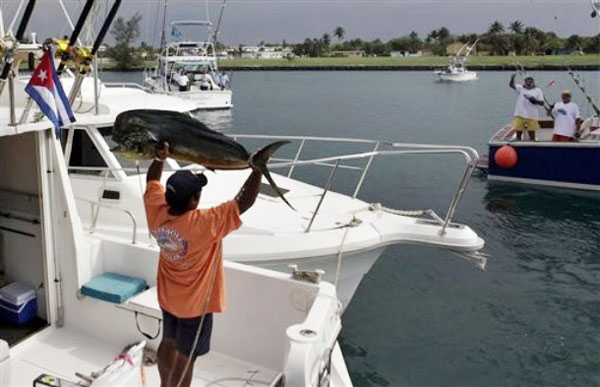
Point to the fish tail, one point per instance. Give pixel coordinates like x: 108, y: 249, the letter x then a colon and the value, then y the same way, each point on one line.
x: 260, y: 159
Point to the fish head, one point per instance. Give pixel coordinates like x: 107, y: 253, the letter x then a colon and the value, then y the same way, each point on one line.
x: 134, y: 137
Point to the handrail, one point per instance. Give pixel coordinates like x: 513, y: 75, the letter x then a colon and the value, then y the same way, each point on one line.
x: 128, y: 84
x: 95, y: 213
x: 471, y: 156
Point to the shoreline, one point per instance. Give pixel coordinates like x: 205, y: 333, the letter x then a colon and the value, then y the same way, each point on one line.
x: 382, y: 68
x: 405, y: 68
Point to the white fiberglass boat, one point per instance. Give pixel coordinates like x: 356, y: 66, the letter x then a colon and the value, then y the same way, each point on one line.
x: 339, y: 234
x: 205, y: 86
x: 59, y: 334
x: 456, y: 70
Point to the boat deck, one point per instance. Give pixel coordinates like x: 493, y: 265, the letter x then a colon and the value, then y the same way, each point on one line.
x: 62, y: 352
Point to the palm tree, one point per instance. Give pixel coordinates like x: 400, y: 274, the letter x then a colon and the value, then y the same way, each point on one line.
x: 326, y: 40
x: 339, y: 32
x: 516, y: 27
x: 496, y: 28
x: 443, y: 34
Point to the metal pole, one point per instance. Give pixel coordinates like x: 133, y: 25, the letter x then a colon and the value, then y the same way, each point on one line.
x: 364, y: 173
x: 26, y: 111
x: 296, y: 157
x: 323, y: 195
x: 96, y: 107
x: 11, y: 94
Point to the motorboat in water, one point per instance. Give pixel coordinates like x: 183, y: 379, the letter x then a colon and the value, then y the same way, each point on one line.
x: 51, y: 333
x: 544, y: 162
x: 456, y: 70
x: 207, y: 87
x: 329, y: 231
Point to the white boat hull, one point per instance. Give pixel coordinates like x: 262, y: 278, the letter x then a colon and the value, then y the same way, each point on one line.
x: 460, y: 77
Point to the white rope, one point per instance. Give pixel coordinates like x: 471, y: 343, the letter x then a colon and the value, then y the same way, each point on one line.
x: 379, y: 207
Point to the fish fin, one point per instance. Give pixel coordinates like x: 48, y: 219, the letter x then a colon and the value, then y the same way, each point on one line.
x: 260, y: 159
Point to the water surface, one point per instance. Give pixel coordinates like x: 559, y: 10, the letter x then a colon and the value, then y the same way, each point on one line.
x: 423, y: 317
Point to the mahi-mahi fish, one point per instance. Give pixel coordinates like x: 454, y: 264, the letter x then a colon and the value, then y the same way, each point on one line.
x: 139, y: 133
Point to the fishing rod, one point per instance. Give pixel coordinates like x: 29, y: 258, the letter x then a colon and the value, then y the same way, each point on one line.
x: 585, y: 93
x: 84, y: 58
x: 65, y: 51
x: 10, y: 53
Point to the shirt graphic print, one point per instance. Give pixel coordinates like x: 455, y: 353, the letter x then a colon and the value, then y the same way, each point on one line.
x: 172, y: 244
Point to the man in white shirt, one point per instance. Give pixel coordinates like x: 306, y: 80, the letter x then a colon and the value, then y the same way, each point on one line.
x: 526, y: 113
x: 567, y: 120
x: 183, y: 81
x: 204, y: 80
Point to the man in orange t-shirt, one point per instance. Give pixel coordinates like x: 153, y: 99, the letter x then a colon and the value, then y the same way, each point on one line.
x: 190, y: 279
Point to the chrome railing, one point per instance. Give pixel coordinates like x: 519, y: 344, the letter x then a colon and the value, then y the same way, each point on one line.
x: 335, y: 162
x: 95, y: 210
x: 378, y: 149
x: 133, y: 85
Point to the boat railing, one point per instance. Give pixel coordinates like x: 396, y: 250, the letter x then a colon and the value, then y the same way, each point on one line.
x: 337, y: 162
x: 395, y: 149
x: 95, y: 210
x: 133, y: 85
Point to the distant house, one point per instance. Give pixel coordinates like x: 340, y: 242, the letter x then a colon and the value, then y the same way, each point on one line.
x: 397, y: 54
x: 263, y: 52
x: 348, y: 53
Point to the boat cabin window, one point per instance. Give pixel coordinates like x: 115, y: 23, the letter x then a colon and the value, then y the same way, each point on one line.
x: 84, y: 155
x: 130, y: 166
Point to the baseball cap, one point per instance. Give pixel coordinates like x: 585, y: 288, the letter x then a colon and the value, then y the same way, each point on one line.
x: 566, y: 92
x: 181, y: 186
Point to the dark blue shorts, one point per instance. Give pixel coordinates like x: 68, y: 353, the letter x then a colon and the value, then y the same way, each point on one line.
x: 183, y: 331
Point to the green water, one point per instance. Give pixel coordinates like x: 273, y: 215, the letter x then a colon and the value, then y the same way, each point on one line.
x: 423, y: 317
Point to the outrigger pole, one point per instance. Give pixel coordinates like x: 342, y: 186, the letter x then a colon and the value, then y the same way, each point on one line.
x: 66, y: 52
x: 216, y: 33
x: 585, y: 93
x: 10, y: 54
x: 84, y: 59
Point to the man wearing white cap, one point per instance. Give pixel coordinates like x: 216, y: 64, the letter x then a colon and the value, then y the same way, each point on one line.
x: 567, y: 120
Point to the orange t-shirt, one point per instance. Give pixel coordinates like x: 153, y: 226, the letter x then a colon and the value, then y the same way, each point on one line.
x: 190, y: 247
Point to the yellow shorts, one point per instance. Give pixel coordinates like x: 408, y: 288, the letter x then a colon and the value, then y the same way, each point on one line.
x: 520, y: 124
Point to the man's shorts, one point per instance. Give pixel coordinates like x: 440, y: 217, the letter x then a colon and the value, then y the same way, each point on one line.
x: 520, y: 124
x: 183, y: 331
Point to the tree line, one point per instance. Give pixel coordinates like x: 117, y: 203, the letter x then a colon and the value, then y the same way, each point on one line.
x: 497, y: 40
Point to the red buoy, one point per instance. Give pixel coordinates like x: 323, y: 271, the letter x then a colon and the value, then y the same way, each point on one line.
x: 506, y: 157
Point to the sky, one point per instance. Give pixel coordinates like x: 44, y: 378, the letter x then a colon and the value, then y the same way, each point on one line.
x: 252, y: 21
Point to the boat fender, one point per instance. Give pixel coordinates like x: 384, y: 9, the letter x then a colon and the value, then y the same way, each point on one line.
x: 506, y: 157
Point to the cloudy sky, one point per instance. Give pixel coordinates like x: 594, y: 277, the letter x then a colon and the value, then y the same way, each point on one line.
x: 252, y: 21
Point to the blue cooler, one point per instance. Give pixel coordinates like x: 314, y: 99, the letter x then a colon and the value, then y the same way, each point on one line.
x: 18, y: 303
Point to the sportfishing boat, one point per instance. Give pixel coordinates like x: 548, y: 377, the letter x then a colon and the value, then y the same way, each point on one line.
x: 544, y: 162
x: 62, y: 319
x: 205, y: 85
x: 329, y: 231
x: 456, y: 70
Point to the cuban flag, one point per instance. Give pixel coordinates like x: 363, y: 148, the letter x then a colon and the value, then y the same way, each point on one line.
x: 45, y: 89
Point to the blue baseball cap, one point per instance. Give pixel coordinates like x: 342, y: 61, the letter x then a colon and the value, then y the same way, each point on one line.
x: 181, y: 186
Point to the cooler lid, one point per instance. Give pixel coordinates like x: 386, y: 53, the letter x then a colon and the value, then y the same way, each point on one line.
x: 17, y: 293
